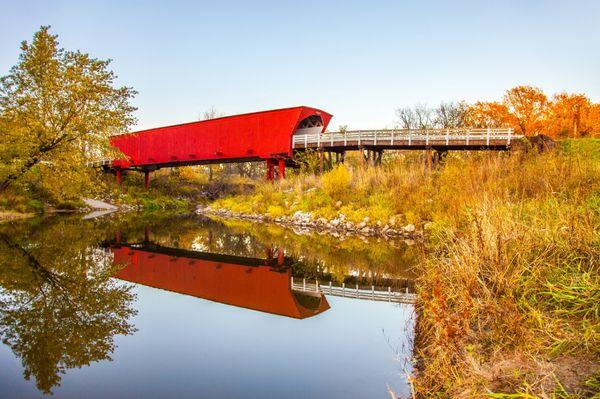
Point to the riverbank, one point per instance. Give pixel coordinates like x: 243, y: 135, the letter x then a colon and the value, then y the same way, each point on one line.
x: 508, y: 282
x: 7, y: 216
x: 507, y: 276
x: 339, y: 226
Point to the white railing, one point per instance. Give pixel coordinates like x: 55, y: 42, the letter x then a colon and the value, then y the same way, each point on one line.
x: 356, y: 292
x: 99, y: 163
x: 409, y: 137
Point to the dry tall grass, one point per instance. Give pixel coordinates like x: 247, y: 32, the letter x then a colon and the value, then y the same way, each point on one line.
x: 510, y: 292
x: 509, y: 288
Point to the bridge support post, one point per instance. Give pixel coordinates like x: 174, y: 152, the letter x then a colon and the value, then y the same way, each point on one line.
x: 281, y: 169
x: 119, y: 177
x: 147, y: 179
x: 270, y: 175
x: 279, y: 256
x: 428, y: 159
x: 434, y: 157
x: 377, y: 156
x: 269, y: 253
x: 363, y: 158
x: 329, y: 160
x: 438, y: 156
x: 321, y: 160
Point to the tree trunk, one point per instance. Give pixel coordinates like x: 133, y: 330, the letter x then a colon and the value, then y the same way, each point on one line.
x: 10, y: 179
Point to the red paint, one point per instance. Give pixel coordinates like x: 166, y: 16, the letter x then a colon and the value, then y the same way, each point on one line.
x: 246, y: 137
x: 281, y: 169
x: 270, y: 170
x: 259, y: 288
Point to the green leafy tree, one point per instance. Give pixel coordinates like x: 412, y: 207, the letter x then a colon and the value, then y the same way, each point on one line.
x: 58, y: 109
x: 59, y: 306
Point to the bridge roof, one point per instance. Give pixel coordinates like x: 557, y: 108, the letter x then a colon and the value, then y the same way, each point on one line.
x: 244, y: 137
x: 221, y: 118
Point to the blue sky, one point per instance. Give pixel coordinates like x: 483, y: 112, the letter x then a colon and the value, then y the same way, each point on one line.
x: 357, y: 60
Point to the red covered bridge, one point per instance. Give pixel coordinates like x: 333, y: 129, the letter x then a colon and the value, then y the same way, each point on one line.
x: 273, y: 136
x: 266, y: 135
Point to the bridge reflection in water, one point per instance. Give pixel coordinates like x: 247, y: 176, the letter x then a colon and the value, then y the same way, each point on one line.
x: 261, y: 284
x: 252, y: 283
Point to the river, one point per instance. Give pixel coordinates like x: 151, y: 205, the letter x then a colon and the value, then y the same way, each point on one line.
x: 129, y: 306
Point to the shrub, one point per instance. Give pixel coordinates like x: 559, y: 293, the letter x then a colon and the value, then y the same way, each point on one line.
x: 336, y: 183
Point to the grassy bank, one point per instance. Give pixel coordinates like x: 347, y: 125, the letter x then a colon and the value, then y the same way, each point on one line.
x: 509, y: 284
x: 179, y: 190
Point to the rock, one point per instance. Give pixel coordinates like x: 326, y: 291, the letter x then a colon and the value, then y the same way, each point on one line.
x: 392, y: 221
x: 95, y: 204
x: 349, y: 225
x: 366, y: 230
x: 409, y: 228
x: 341, y: 216
x: 385, y: 228
x: 542, y: 143
x: 335, y: 222
x: 361, y: 225
x: 301, y: 217
x: 322, y: 221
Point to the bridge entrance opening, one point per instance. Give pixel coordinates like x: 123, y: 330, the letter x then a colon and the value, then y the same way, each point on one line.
x: 310, y: 125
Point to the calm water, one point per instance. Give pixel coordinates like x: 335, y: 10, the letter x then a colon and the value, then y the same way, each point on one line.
x: 131, y: 306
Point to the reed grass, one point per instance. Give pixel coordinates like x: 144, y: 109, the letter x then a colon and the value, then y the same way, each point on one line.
x: 509, y: 283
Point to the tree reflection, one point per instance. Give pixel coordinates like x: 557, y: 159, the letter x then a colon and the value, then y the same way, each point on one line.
x: 59, y: 307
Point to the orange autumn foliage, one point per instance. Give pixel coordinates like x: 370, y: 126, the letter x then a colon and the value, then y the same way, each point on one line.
x: 488, y: 114
x: 530, y: 112
x: 528, y: 108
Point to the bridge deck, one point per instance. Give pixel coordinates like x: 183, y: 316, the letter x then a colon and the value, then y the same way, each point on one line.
x: 409, y: 139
